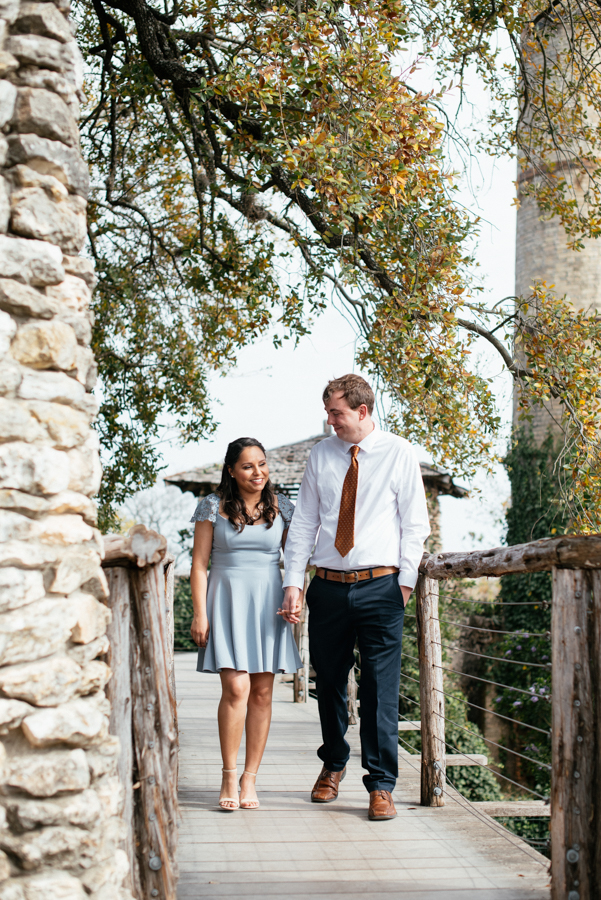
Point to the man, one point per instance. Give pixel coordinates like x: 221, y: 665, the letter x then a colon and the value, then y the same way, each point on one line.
x: 362, y: 506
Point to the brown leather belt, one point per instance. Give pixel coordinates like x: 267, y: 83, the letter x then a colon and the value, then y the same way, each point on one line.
x: 358, y: 575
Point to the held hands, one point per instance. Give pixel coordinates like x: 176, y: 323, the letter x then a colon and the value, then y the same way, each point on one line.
x: 292, y: 605
x: 200, y: 630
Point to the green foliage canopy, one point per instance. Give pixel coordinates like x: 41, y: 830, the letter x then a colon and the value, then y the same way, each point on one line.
x: 251, y: 158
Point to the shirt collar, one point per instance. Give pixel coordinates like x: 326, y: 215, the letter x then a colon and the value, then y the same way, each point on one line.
x: 367, y: 444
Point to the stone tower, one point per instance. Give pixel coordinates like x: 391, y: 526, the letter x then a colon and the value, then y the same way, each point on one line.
x: 60, y: 798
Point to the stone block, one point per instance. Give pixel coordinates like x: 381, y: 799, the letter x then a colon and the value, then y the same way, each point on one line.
x: 86, y: 368
x: 4, y: 206
x: 97, y: 586
x: 34, y: 262
x: 53, y: 387
x: 8, y: 329
x: 10, y: 377
x: 26, y: 504
x: 103, y: 760
x: 72, y: 293
x: 81, y: 268
x: 82, y: 809
x: 43, y: 19
x: 55, y: 885
x: 23, y: 300
x: 85, y: 653
x: 92, y: 618
x: 28, y: 556
x: 4, y: 866
x: 80, y: 322
x: 67, y: 427
x: 76, y: 567
x: 36, y: 215
x: 15, y: 527
x: 77, y: 723
x: 17, y: 423
x: 35, y: 631
x: 36, y: 848
x: 31, y: 76
x: 63, y: 530
x: 47, y: 682
x: 45, y: 345
x: 72, y: 502
x: 110, y: 793
x: 94, y: 677
x: 85, y: 470
x: 43, y: 52
x: 9, y: 10
x: 8, y: 64
x: 74, y: 69
x: 50, y: 157
x: 47, y: 774
x: 19, y: 587
x: 12, y: 713
x: 34, y: 469
x: 42, y: 112
x: 8, y: 96
x: 109, y: 874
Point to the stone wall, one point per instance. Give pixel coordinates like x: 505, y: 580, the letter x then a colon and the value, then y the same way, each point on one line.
x: 59, y: 793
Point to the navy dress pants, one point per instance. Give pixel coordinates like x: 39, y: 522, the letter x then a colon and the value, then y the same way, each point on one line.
x: 370, y: 612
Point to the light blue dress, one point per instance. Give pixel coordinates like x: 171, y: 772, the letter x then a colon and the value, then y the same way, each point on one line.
x: 244, y: 593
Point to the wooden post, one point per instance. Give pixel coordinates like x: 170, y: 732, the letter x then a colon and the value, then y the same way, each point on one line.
x: 155, y: 738
x: 169, y: 564
x: 118, y: 691
x: 596, y: 673
x: 430, y: 692
x: 351, y: 697
x: 574, y: 755
x: 301, y: 636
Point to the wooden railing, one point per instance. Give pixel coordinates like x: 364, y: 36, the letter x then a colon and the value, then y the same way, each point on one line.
x: 143, y: 709
x: 576, y: 693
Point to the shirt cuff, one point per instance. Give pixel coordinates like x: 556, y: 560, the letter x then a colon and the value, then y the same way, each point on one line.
x: 407, y: 578
x: 294, y: 579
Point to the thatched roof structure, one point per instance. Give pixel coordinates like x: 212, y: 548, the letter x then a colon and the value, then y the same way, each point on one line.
x: 286, y: 469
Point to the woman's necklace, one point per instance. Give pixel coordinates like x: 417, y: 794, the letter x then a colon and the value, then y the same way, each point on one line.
x: 256, y: 515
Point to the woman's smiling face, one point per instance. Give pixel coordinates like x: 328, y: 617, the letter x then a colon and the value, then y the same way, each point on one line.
x: 250, y: 470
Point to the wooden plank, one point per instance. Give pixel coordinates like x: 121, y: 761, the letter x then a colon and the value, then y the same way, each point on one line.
x: 513, y: 807
x: 569, y: 552
x: 407, y: 725
x: 155, y: 737
x: 118, y: 691
x: 573, y: 739
x: 430, y: 693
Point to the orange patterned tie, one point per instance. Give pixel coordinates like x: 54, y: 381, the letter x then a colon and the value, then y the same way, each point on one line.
x: 345, y: 533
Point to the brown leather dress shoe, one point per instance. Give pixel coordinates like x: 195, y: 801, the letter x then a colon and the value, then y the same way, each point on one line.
x: 326, y: 786
x: 381, y: 806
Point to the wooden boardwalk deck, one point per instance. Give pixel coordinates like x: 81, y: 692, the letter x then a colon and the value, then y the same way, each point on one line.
x: 292, y: 849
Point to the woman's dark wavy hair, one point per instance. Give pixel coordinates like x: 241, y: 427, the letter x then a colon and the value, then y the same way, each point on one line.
x: 233, y: 504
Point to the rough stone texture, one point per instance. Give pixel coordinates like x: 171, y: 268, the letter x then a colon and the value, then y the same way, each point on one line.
x: 60, y: 797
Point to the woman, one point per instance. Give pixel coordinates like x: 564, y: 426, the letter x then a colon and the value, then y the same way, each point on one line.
x: 241, y: 528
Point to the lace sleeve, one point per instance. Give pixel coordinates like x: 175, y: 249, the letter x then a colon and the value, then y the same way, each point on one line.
x: 286, y: 508
x: 208, y: 508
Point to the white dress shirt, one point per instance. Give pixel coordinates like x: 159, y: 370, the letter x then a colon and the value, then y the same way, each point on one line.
x: 391, y: 516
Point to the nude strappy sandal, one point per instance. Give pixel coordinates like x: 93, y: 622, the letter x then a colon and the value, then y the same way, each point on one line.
x: 233, y: 800
x: 248, y: 804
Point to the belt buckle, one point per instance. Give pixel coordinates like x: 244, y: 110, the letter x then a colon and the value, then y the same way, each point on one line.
x: 346, y: 575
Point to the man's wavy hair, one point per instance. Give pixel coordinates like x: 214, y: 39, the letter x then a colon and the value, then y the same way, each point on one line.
x: 355, y: 391
x: 233, y: 504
